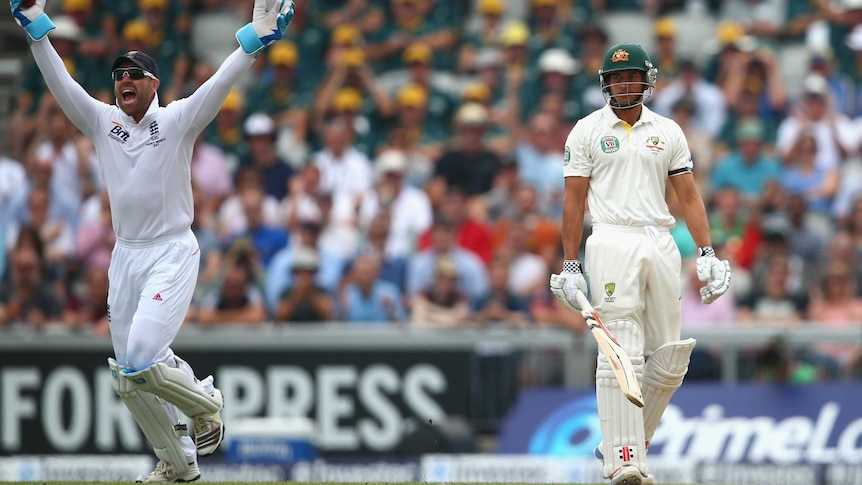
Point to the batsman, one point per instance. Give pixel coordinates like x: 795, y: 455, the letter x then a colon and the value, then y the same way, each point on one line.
x: 144, y: 153
x: 617, y: 162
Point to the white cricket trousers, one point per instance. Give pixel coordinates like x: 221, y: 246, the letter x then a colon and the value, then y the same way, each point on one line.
x: 151, y: 284
x: 634, y: 274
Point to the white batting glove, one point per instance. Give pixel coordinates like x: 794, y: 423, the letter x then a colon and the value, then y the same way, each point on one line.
x: 714, y: 272
x: 566, y: 285
x: 31, y: 15
x: 269, y: 20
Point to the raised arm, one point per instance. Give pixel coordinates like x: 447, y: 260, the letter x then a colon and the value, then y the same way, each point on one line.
x: 79, y: 106
x: 266, y: 27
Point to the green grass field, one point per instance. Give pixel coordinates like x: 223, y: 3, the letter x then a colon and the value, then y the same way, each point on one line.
x: 286, y: 483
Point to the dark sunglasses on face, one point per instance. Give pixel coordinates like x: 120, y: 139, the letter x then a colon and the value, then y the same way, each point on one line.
x: 135, y: 73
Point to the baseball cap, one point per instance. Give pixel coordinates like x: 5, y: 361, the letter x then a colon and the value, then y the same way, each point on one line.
x: 233, y: 101
x: 729, y: 33
x: 417, y: 52
x: 345, y: 34
x: 476, y: 91
x: 558, y: 60
x: 139, y: 59
x: 305, y: 258
x: 136, y: 30
x: 515, y: 33
x: 471, y: 113
x: 152, y: 4
x: 77, y: 5
x: 412, y: 95
x: 66, y: 29
x: 283, y: 53
x: 347, y: 99
x: 391, y: 161
x: 750, y: 130
x: 664, y: 27
x: 491, y: 7
x: 815, y: 84
x: 854, y: 40
x: 259, y: 124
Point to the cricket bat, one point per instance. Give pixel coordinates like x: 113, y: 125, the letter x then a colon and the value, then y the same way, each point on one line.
x: 608, y: 345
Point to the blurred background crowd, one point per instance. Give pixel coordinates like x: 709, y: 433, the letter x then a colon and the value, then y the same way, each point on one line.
x: 399, y: 161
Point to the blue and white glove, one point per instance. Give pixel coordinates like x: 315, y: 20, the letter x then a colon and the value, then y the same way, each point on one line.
x: 714, y: 272
x: 269, y: 20
x: 33, y: 18
x: 566, y: 285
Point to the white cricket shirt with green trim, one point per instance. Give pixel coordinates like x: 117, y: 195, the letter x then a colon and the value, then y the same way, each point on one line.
x: 628, y: 166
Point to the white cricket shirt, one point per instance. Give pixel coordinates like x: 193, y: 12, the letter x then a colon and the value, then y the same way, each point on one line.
x: 146, y: 166
x: 628, y: 166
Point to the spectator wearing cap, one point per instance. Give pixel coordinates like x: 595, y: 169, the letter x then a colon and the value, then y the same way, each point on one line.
x: 411, y: 24
x: 65, y: 39
x: 836, y: 135
x: 728, y: 43
x: 305, y: 242
x: 440, y: 86
x: 467, y: 164
x: 283, y: 95
x: 481, y: 34
x: 96, y: 54
x: 168, y: 25
x: 472, y: 277
x: 665, y: 58
x: 260, y: 134
x: 711, y: 109
x: 759, y: 73
x: 549, y: 27
x: 416, y: 134
x: 226, y: 133
x: 761, y: 19
x: 514, y: 41
x: 407, y: 208
x: 304, y: 301
x: 557, y: 73
x: 747, y: 168
x: 366, y: 298
x: 841, y: 86
x: 442, y: 303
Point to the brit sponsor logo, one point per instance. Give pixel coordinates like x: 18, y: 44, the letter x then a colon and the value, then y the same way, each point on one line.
x: 118, y: 133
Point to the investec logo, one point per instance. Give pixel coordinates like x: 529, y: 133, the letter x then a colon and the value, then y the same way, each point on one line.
x: 712, y: 437
x: 118, y: 133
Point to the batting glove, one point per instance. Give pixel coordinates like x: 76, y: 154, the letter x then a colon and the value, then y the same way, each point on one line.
x: 566, y: 285
x: 714, y: 272
x: 31, y: 15
x: 269, y: 20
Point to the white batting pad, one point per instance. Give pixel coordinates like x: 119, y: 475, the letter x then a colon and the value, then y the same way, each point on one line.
x: 175, y: 387
x: 663, y: 374
x: 621, y: 421
x: 161, y: 431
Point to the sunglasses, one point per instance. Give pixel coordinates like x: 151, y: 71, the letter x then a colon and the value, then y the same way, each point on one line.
x: 135, y: 73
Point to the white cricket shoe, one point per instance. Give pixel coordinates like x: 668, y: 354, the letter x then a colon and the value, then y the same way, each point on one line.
x: 648, y: 479
x: 627, y: 475
x: 165, y: 473
x: 209, y: 429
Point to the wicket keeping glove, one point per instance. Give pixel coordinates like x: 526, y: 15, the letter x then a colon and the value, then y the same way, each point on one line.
x: 269, y: 20
x: 31, y: 15
x: 566, y: 285
x: 714, y: 272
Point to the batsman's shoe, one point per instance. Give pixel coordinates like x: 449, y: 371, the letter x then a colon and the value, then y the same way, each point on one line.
x: 648, y: 479
x: 165, y: 473
x: 209, y: 429
x: 627, y: 475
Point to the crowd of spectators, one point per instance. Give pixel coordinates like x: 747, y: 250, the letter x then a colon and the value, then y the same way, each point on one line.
x: 400, y: 161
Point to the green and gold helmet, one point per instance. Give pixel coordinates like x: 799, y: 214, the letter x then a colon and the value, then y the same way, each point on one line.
x: 623, y: 57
